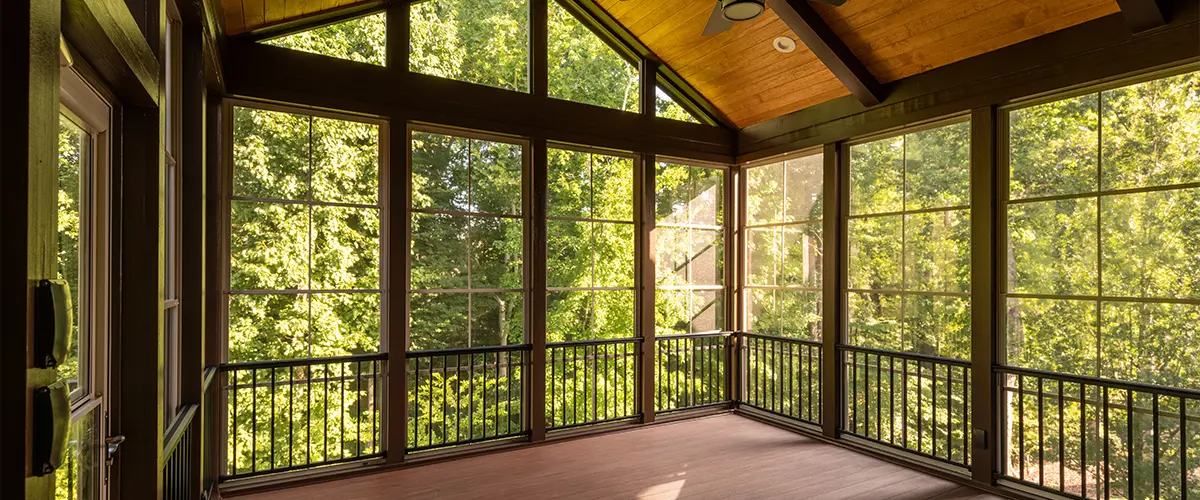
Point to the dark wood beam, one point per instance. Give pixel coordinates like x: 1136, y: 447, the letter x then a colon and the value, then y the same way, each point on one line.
x: 276, y: 74
x: 1142, y: 15
x: 1093, y: 51
x: 106, y: 34
x: 825, y: 44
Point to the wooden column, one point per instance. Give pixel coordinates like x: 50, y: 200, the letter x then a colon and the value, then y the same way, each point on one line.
x: 538, y: 203
x: 643, y: 188
x: 139, y: 206
x: 733, y: 258
x: 192, y: 229
x: 398, y: 27
x: 986, y: 263
x: 396, y: 181
x: 833, y: 290
x: 216, y: 226
x: 28, y: 186
x: 643, y: 218
x: 539, y: 68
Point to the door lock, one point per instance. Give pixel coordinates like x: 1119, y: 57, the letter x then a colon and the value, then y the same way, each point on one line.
x: 111, y: 444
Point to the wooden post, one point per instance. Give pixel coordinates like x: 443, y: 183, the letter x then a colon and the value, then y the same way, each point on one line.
x: 398, y: 26
x: 733, y: 259
x: 396, y: 182
x: 643, y: 188
x: 833, y: 307
x: 192, y: 235
x: 28, y: 186
x: 539, y: 68
x: 537, y: 289
x: 986, y: 261
x: 216, y: 223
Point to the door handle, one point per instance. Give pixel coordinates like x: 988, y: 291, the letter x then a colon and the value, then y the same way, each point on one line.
x: 111, y: 444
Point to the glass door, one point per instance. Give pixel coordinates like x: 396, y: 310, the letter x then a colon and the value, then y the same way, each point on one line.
x: 81, y: 258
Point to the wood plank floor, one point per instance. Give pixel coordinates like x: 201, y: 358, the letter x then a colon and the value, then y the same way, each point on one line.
x: 724, y: 456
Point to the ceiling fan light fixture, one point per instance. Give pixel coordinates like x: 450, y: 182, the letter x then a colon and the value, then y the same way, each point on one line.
x: 742, y: 10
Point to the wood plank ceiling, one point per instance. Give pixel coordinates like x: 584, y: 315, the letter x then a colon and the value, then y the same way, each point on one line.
x: 743, y: 76
x: 740, y: 72
x: 248, y: 15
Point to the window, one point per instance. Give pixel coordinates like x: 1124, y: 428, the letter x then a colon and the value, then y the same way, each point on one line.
x: 305, y: 238
x: 784, y: 247
x: 75, y: 146
x: 477, y: 41
x: 172, y: 101
x: 590, y: 246
x: 689, y: 242
x: 586, y: 69
x: 910, y: 242
x: 82, y: 227
x: 1104, y: 234
x: 666, y: 107
x: 468, y: 242
x: 361, y: 39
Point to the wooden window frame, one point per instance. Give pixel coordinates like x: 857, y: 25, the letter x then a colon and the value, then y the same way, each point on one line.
x: 228, y: 197
x: 525, y: 217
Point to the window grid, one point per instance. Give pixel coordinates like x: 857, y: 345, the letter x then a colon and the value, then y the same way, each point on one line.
x: 689, y: 272
x: 592, y: 221
x: 904, y: 292
x: 1099, y: 298
x: 778, y: 261
x: 471, y: 290
x: 310, y: 204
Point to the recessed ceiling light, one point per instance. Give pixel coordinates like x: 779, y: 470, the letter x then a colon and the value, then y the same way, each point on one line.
x: 784, y: 44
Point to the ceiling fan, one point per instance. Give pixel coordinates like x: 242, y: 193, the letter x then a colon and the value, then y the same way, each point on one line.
x: 728, y: 11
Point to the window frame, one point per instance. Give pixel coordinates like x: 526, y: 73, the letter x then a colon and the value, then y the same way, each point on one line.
x: 1004, y: 201
x: 745, y: 298
x: 228, y: 197
x: 525, y: 217
x: 727, y: 228
x: 635, y: 222
x: 903, y: 292
x: 172, y: 219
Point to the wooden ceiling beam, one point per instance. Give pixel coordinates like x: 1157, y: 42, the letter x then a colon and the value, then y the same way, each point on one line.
x: 822, y: 41
x: 1142, y: 15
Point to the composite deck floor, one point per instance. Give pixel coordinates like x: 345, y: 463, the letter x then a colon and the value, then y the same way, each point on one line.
x: 720, y: 457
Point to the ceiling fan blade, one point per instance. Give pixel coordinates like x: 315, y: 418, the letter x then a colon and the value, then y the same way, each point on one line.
x: 717, y: 22
x: 834, y: 3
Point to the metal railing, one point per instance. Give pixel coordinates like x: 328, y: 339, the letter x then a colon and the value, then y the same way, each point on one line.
x: 914, y: 402
x: 178, y: 443
x: 782, y: 376
x: 302, y: 413
x: 465, y: 396
x: 209, y: 475
x: 691, y: 371
x: 591, y: 382
x: 1089, y: 437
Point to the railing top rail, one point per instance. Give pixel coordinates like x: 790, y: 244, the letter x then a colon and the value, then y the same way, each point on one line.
x: 702, y: 335
x: 210, y: 373
x: 456, y: 351
x: 577, y: 343
x: 283, y: 363
x: 178, y: 428
x: 907, y: 355
x: 813, y: 343
x: 1178, y: 392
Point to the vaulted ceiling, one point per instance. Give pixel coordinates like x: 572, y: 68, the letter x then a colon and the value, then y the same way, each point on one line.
x: 741, y: 73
